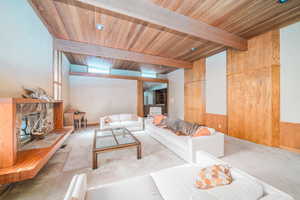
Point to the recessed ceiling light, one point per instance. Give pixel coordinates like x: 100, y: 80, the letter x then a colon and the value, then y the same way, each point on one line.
x: 282, y: 1
x: 99, y: 26
x: 193, y: 49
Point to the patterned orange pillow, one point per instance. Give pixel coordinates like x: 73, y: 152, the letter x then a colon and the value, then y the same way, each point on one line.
x: 158, y: 119
x: 107, y: 120
x: 202, y: 131
x: 213, y: 176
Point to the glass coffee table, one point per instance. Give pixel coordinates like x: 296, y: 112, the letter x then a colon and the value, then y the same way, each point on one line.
x: 114, y: 139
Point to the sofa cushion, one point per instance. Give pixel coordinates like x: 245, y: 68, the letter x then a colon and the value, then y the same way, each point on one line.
x: 114, y: 124
x: 130, y: 124
x: 140, y: 188
x: 125, y: 117
x: 115, y: 118
x: 183, y: 177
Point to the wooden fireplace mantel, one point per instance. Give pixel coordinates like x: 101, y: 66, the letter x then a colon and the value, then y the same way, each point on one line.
x: 21, y: 165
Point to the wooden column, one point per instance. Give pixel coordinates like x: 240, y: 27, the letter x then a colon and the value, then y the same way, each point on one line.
x: 58, y: 111
x: 140, y: 98
x: 253, y: 97
x: 194, y: 93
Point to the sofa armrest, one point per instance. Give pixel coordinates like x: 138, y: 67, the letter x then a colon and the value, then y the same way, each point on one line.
x: 78, y: 188
x: 277, y: 197
x: 102, y: 122
x: 205, y: 159
x: 213, y: 144
x: 141, y: 119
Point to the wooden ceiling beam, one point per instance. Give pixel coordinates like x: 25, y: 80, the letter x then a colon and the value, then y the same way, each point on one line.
x: 149, y: 12
x: 112, y: 76
x: 106, y: 52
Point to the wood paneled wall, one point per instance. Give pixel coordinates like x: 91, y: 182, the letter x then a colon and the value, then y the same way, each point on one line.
x: 253, y: 92
x: 290, y: 136
x: 140, y: 98
x: 194, y: 93
x: 216, y: 121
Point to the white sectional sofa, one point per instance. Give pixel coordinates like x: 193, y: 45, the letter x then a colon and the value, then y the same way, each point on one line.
x: 185, y: 146
x: 130, y: 121
x: 176, y: 183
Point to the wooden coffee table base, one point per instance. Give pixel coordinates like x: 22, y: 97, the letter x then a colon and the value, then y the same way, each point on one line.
x: 125, y: 146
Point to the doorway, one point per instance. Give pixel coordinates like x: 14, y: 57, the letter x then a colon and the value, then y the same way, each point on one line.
x: 155, y: 98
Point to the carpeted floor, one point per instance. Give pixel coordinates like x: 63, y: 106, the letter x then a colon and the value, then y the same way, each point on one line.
x: 278, y: 167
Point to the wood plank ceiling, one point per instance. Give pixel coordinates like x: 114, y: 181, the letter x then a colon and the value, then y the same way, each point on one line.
x: 117, y: 64
x: 72, y: 20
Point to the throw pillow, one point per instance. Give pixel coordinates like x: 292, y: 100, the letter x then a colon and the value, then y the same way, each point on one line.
x: 187, y: 128
x: 202, y: 131
x: 179, y: 133
x: 158, y: 119
x: 107, y: 120
x: 213, y: 176
x: 172, y: 124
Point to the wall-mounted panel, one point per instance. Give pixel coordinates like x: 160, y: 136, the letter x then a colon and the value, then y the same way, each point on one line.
x: 194, y: 93
x: 253, y: 90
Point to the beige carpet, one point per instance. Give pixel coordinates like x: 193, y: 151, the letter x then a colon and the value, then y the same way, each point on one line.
x: 277, y: 167
x: 52, y: 182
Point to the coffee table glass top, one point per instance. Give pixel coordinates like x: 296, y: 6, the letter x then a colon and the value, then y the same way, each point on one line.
x: 109, y: 138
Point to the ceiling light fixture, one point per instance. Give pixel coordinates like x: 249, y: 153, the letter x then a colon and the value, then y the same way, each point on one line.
x: 282, y: 1
x: 193, y: 49
x: 100, y: 27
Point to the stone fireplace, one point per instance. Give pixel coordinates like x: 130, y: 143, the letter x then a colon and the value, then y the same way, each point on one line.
x: 34, y: 122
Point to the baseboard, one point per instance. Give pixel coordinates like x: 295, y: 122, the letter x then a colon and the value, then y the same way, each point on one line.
x: 290, y: 136
x: 290, y: 149
x: 93, y: 124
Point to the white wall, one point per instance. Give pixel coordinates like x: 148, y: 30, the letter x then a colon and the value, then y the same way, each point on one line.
x: 25, y: 49
x: 216, y: 90
x: 176, y: 94
x: 65, y: 81
x: 101, y: 96
x: 290, y: 73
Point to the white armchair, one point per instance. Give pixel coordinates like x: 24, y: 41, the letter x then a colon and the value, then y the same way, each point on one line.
x: 153, y: 111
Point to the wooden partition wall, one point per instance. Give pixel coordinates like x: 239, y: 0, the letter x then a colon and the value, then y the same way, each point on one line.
x: 140, y: 98
x: 253, y: 81
x: 194, y: 93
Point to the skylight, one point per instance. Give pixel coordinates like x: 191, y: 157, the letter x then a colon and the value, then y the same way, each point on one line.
x: 97, y: 65
x: 99, y: 70
x: 149, y: 74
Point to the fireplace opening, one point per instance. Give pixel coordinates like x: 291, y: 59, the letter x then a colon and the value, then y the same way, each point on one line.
x: 27, y: 124
x: 34, y: 122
